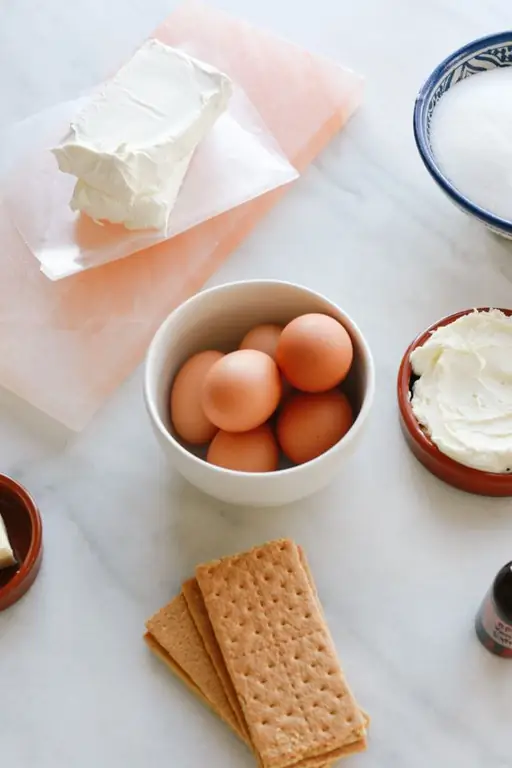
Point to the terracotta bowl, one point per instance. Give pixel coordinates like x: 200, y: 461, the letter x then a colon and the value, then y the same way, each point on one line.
x: 453, y: 473
x: 24, y: 529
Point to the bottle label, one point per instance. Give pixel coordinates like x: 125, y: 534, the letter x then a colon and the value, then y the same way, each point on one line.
x: 494, y: 632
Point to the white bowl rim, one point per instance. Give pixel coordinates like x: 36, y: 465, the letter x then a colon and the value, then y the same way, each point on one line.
x: 289, y: 471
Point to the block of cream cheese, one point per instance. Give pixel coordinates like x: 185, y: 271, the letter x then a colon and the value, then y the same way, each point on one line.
x: 139, y: 212
x: 6, y: 554
x: 131, y: 146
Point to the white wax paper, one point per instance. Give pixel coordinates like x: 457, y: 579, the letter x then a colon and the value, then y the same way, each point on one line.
x: 238, y: 161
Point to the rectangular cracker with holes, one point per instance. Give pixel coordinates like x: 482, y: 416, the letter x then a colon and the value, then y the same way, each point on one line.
x: 194, y: 684
x: 199, y: 614
x: 296, y: 702
x: 173, y: 636
x: 196, y: 605
x: 167, y: 659
x: 197, y: 608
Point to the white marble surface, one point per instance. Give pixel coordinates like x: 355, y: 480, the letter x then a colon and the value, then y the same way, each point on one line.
x: 401, y: 560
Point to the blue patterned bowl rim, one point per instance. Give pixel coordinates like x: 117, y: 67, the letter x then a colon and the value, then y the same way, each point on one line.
x: 420, y: 122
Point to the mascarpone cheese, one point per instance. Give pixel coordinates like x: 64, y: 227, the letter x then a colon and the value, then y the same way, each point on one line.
x: 463, y: 397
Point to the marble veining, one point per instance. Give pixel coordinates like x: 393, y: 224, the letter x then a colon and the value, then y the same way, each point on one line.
x: 401, y: 561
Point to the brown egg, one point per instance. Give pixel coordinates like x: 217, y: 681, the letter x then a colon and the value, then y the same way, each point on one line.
x: 253, y: 451
x: 314, y: 353
x: 241, y: 391
x: 310, y: 424
x: 187, y: 415
x: 263, y: 338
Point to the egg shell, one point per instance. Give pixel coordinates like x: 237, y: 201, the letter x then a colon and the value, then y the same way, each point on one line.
x: 264, y: 338
x: 187, y: 414
x: 314, y: 352
x: 311, y: 423
x: 253, y: 451
x: 241, y: 391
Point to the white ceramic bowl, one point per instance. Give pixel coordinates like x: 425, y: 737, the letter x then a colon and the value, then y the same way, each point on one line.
x: 472, y: 59
x: 218, y: 318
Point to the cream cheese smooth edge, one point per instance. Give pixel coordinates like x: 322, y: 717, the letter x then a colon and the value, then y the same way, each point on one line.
x: 6, y: 553
x: 131, y: 146
x: 463, y: 396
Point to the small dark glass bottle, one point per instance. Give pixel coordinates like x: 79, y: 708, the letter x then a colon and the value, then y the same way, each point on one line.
x: 494, y: 619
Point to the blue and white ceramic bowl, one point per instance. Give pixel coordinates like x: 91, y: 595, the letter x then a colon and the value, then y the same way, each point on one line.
x: 472, y: 59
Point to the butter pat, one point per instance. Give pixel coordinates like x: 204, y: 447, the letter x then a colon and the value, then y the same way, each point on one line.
x: 463, y: 397
x: 130, y: 148
x: 6, y: 554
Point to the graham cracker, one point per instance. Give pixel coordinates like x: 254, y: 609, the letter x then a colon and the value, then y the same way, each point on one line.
x: 162, y: 654
x: 175, y: 633
x: 196, y: 605
x: 280, y: 657
x: 309, y: 574
x: 199, y: 614
x: 197, y: 608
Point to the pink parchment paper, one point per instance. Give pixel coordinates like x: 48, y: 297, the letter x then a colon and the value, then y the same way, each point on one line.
x: 65, y: 346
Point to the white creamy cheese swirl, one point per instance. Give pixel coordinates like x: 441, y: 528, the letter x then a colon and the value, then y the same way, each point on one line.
x: 463, y: 396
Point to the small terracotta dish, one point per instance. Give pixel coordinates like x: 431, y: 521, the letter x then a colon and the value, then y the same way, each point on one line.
x: 24, y: 529
x: 466, y: 478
